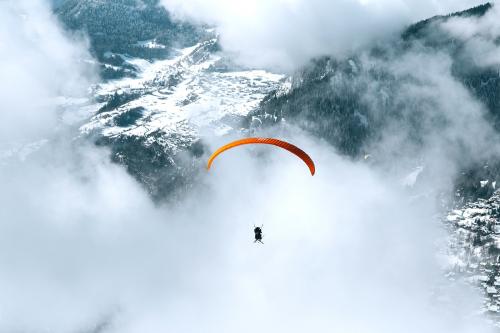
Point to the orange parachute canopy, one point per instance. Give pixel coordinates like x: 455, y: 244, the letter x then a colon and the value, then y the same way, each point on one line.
x: 268, y: 141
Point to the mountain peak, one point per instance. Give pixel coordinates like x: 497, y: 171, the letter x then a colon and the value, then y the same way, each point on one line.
x: 416, y: 30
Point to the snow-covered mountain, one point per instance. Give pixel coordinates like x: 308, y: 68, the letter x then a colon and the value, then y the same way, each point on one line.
x: 149, y: 121
x: 186, y: 95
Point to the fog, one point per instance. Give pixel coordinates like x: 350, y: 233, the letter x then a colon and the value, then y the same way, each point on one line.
x: 479, y: 35
x: 439, y: 123
x: 38, y: 63
x: 265, y: 33
x: 84, y: 249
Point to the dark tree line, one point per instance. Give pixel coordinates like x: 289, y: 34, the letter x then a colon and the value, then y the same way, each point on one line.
x: 117, y: 26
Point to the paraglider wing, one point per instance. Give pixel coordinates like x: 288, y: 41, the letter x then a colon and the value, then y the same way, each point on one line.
x: 268, y: 141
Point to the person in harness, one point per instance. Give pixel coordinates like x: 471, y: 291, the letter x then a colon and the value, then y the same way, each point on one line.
x: 258, y: 234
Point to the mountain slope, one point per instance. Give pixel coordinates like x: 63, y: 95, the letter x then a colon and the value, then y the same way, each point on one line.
x: 474, y: 252
x: 135, y: 28
x: 153, y: 123
x: 358, y: 102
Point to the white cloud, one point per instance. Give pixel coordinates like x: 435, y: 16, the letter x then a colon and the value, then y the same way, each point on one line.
x: 438, y: 119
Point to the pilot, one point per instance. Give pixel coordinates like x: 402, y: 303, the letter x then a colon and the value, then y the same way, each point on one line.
x: 258, y: 234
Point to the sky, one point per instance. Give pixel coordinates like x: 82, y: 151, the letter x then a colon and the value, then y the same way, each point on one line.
x: 84, y: 249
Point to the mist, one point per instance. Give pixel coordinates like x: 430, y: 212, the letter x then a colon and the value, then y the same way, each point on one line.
x: 84, y: 249
x: 479, y: 36
x: 284, y: 34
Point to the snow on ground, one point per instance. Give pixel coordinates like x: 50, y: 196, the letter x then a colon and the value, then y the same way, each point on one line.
x: 412, y: 177
x: 185, y: 96
x: 151, y: 44
x: 474, y: 249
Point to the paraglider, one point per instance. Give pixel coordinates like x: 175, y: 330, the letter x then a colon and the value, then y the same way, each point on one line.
x: 269, y: 141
